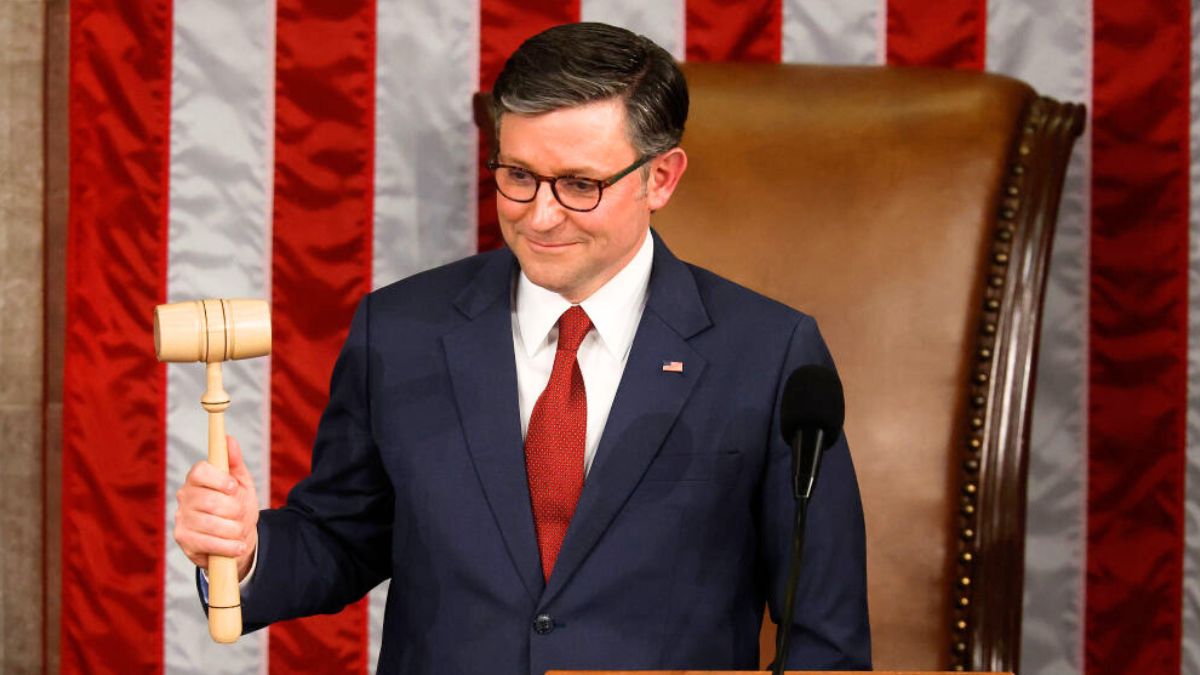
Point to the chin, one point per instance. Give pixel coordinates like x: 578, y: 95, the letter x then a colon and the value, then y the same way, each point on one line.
x: 550, y: 282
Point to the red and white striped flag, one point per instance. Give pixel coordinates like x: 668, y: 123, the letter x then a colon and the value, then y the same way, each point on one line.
x: 306, y: 151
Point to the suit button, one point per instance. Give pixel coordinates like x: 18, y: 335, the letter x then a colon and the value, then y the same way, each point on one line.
x: 543, y: 624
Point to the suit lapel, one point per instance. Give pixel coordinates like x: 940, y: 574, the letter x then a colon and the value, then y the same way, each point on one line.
x: 647, y: 403
x: 479, y: 356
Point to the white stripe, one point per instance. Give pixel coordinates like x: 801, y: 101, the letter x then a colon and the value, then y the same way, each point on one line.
x: 222, y: 99
x: 833, y: 31
x: 427, y: 69
x: 662, y: 21
x: 376, y: 607
x: 881, y: 18
x: 1049, y: 46
x: 1191, y: 561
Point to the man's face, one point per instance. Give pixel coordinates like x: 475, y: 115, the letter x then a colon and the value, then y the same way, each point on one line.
x: 569, y: 252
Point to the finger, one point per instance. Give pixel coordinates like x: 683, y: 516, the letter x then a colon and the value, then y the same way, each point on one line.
x: 215, y: 526
x: 205, y: 500
x: 199, y: 546
x: 206, y: 475
x: 198, y: 559
x: 237, y: 463
x: 195, y: 534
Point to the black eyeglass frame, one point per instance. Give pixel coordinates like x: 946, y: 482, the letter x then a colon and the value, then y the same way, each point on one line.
x: 601, y: 184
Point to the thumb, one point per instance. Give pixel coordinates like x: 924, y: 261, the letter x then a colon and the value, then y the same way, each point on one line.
x: 237, y: 465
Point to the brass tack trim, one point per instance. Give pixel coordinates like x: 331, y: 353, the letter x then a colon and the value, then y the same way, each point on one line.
x: 1003, y: 249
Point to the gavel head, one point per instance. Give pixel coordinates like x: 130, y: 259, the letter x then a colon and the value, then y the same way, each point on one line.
x: 212, y: 330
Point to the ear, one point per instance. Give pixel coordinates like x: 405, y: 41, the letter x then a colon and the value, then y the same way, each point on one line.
x: 665, y: 172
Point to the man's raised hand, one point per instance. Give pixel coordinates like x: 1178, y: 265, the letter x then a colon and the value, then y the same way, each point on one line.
x: 218, y: 512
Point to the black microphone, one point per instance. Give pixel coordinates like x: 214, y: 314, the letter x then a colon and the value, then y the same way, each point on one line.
x: 810, y: 417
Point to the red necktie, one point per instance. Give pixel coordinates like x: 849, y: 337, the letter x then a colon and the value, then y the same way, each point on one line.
x: 555, y: 440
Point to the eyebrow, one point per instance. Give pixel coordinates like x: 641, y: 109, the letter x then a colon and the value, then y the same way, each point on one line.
x: 577, y: 172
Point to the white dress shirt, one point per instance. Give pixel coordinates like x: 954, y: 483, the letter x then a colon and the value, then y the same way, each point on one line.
x: 615, y: 310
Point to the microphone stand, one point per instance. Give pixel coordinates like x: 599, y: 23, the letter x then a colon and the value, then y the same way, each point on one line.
x: 803, y: 478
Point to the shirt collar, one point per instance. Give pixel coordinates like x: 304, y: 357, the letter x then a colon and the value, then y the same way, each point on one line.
x: 615, y: 309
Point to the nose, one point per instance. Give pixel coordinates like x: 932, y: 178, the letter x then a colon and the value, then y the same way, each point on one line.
x: 545, y: 213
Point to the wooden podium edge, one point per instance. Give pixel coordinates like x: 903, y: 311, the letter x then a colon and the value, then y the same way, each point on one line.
x: 759, y: 672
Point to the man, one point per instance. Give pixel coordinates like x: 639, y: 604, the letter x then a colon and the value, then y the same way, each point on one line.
x: 566, y: 453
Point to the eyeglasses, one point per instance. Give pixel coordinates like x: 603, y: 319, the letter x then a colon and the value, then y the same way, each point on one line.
x: 573, y: 192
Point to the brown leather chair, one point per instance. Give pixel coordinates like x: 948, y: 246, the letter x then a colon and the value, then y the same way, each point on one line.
x: 911, y: 211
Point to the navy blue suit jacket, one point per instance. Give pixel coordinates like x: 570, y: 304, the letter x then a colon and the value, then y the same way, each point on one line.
x: 681, y: 534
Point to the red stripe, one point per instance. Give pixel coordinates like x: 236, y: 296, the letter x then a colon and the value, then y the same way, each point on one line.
x: 947, y: 33
x: 321, y: 265
x: 725, y: 30
x: 504, y: 25
x: 114, y: 393
x: 1138, y: 337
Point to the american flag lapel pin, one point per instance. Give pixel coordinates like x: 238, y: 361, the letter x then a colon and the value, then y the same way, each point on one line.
x: 672, y: 367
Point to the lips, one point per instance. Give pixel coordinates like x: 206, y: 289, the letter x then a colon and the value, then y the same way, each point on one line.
x: 549, y: 245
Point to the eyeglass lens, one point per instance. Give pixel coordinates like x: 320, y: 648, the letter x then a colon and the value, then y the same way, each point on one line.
x: 574, y: 193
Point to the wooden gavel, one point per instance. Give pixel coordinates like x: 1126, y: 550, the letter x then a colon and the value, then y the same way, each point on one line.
x: 213, y: 331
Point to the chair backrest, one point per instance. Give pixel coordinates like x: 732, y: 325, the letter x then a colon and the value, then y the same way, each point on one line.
x: 911, y: 212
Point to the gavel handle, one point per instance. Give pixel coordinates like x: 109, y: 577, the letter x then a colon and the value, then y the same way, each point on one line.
x: 224, y: 597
